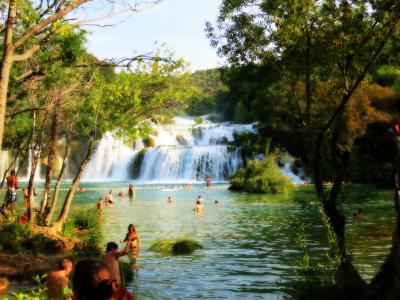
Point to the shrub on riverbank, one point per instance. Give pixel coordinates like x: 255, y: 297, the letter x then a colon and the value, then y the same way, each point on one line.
x: 85, y: 224
x: 175, y: 246
x: 261, y: 177
x: 16, y: 238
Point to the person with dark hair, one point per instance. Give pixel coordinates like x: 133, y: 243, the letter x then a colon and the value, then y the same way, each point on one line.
x: 90, y: 280
x: 198, y: 207
x: 134, y: 238
x: 58, y: 280
x: 110, y: 258
x: 11, y: 194
x: 132, y: 190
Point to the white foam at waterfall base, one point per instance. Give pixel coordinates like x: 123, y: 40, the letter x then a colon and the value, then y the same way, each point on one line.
x: 203, y: 154
x: 191, y: 163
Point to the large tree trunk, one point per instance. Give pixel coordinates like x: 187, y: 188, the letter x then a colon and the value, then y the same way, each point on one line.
x: 51, y: 156
x: 58, y: 183
x: 6, y: 64
x: 68, y: 200
x: 348, y: 279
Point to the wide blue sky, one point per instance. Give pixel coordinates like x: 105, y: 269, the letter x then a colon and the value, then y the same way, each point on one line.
x: 177, y: 23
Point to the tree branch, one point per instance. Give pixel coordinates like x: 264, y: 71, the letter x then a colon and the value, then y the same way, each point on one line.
x: 45, y: 22
x: 125, y: 62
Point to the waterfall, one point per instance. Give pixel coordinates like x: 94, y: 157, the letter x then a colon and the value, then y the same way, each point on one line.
x: 183, y: 151
x: 111, y: 160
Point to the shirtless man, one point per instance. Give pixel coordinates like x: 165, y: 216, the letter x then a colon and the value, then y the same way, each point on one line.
x: 58, y: 280
x: 110, y: 258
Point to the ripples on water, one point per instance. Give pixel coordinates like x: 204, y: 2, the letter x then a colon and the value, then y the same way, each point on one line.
x: 249, y: 240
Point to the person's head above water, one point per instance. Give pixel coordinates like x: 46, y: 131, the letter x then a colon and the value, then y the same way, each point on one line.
x: 88, y: 274
x: 111, y: 246
x: 198, y: 202
x: 12, y: 172
x: 131, y: 227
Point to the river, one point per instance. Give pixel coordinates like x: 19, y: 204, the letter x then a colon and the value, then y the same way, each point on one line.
x: 249, y: 240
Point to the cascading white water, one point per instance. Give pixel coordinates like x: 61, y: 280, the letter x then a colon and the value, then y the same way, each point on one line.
x: 184, y: 151
x: 189, y: 163
x: 110, y: 161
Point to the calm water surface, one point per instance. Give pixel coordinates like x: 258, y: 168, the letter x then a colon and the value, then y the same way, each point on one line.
x: 249, y: 240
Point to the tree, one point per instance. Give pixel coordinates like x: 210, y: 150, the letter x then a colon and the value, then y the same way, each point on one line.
x: 27, y: 26
x: 323, y: 52
x: 124, y: 103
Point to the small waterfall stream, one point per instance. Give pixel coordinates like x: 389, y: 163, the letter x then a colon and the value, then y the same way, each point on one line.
x: 183, y: 151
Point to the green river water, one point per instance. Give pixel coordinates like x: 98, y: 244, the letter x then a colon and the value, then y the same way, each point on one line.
x: 249, y: 240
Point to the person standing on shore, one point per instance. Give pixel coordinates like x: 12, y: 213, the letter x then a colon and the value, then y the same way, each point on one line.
x: 11, y: 194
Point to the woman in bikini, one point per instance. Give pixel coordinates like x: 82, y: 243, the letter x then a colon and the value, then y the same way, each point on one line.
x: 134, y: 238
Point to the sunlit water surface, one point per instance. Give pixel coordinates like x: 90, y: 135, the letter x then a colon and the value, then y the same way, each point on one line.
x: 249, y: 240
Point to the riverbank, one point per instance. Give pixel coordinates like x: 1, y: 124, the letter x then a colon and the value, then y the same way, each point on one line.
x: 23, y: 267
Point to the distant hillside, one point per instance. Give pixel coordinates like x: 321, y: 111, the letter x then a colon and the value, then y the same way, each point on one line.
x: 208, y: 85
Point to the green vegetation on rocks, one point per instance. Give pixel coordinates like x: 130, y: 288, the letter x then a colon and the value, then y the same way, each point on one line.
x: 175, y: 246
x: 149, y: 142
x: 199, y: 120
x: 261, y: 177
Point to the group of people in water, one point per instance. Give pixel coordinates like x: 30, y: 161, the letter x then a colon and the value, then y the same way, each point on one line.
x: 95, y: 278
x: 109, y: 199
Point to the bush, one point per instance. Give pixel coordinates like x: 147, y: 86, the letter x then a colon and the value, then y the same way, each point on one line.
x: 91, y: 247
x: 15, y: 237
x: 175, y: 246
x: 87, y: 219
x: 261, y: 177
x: 89, y: 223
x: 199, y: 120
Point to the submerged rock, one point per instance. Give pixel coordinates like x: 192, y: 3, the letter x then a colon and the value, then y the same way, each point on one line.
x: 175, y: 246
